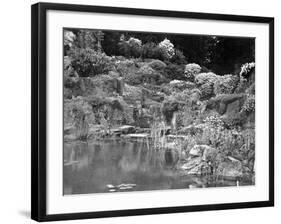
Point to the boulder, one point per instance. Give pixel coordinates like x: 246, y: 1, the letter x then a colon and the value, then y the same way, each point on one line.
x: 125, y: 129
x: 230, y: 169
x: 203, y: 151
x: 181, y: 85
x: 209, y: 153
x: 191, y: 130
x: 191, y: 163
x: 195, y: 166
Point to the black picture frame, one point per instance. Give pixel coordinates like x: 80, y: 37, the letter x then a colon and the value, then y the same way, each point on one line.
x: 39, y: 108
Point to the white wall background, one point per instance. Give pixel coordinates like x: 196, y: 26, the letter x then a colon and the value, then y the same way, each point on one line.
x: 15, y: 110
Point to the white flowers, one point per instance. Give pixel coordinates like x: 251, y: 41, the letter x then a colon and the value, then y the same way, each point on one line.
x: 191, y: 70
x: 246, y: 68
x: 168, y: 48
x: 69, y: 38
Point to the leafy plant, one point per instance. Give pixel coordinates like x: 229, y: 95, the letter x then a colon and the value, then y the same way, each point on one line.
x: 88, y: 62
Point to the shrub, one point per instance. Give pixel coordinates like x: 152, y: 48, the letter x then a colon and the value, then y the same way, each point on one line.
x: 130, y: 48
x: 167, y: 48
x: 234, y: 120
x: 207, y: 91
x: 145, y: 75
x: 246, y: 69
x: 168, y: 108
x: 249, y: 104
x: 68, y: 38
x: 204, y: 78
x: 251, y: 89
x: 125, y: 67
x: 152, y: 50
x: 157, y: 65
x: 191, y: 70
x: 78, y: 113
x: 246, y: 79
x: 178, y: 57
x: 225, y: 84
x: 88, y: 62
x: 174, y: 71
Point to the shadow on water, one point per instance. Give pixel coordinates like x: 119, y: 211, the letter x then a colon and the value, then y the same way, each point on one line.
x: 118, y: 165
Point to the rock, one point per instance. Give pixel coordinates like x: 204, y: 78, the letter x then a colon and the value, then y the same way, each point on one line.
x: 125, y: 129
x: 181, y: 85
x: 230, y: 103
x: 191, y: 130
x: 230, y: 170
x: 209, y: 153
x: 196, y: 151
x: 200, y: 150
x: 191, y: 163
x: 195, y: 166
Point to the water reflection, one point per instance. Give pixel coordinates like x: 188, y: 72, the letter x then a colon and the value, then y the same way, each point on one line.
x: 117, y: 165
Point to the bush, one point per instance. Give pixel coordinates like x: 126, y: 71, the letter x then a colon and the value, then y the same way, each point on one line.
x: 249, y: 104
x: 145, y: 75
x: 246, y: 77
x: 207, y: 91
x: 246, y: 69
x: 68, y: 38
x: 157, y: 65
x: 130, y: 48
x: 180, y: 85
x: 88, y: 62
x: 178, y: 58
x: 167, y: 48
x: 225, y: 84
x: 191, y: 70
x: 125, y: 67
x: 206, y: 82
x: 204, y: 78
x: 152, y: 50
x: 174, y: 71
x: 234, y: 120
x: 78, y: 113
x: 168, y: 108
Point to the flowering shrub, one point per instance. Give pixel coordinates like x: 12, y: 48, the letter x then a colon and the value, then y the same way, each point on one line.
x: 246, y: 79
x: 69, y: 37
x: 191, y: 70
x: 168, y: 48
x: 225, y: 84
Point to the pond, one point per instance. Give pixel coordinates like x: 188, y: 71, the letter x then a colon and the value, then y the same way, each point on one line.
x: 119, y: 165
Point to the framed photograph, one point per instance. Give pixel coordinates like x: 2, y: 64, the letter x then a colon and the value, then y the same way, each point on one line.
x: 139, y: 111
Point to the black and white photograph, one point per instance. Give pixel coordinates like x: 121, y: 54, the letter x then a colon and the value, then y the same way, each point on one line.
x: 146, y: 111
